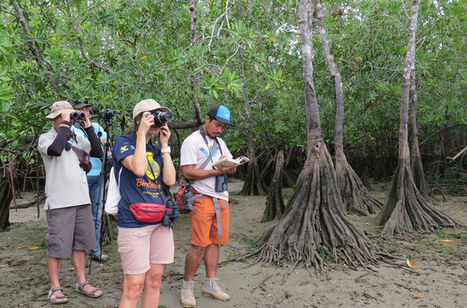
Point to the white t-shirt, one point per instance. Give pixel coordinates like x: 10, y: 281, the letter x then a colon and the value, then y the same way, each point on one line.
x: 194, y: 151
x: 66, y: 184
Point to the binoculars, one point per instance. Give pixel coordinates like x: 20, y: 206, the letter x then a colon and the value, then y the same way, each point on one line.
x: 77, y: 116
x: 221, y: 183
x: 162, y: 117
x: 171, y: 216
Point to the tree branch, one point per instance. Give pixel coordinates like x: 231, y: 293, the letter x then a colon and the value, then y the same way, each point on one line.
x: 185, y: 124
x: 36, y: 53
x: 83, y: 51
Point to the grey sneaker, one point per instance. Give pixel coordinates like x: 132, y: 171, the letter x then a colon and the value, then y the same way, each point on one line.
x: 211, y: 288
x: 187, y: 297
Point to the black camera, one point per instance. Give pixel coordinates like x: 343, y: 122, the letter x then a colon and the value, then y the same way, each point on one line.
x: 221, y: 183
x: 162, y: 117
x: 77, y: 116
x: 171, y: 216
x: 107, y: 114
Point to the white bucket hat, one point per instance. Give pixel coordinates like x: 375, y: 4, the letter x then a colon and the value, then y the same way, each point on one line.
x: 147, y: 105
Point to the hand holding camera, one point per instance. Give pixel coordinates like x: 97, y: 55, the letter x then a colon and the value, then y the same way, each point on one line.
x: 164, y: 136
x: 147, y: 121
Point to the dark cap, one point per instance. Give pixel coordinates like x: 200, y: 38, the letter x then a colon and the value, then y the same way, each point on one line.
x: 80, y: 103
x: 220, y: 113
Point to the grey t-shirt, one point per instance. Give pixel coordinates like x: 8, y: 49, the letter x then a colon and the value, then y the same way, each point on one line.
x: 65, y: 181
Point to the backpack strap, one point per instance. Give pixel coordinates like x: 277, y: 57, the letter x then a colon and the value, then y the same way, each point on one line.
x: 119, y: 174
x: 218, y: 213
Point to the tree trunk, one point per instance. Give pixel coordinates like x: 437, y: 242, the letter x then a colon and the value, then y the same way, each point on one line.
x: 253, y: 184
x: 416, y: 158
x: 275, y: 206
x: 406, y: 209
x: 196, y: 78
x: 314, y: 229
x: 355, y: 196
x: 5, y: 198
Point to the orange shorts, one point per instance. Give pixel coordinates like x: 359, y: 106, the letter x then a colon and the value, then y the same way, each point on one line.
x: 204, y: 229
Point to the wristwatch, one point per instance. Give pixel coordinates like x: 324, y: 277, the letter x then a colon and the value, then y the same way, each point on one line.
x: 165, y: 150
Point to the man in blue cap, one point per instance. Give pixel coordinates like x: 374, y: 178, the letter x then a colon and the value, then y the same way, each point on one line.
x: 210, y: 218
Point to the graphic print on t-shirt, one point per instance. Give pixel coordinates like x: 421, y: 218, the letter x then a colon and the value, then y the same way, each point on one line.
x: 152, y: 167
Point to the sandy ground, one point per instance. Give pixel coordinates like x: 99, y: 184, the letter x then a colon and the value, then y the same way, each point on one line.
x: 439, y: 281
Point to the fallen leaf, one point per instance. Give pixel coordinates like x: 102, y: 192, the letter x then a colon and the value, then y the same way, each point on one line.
x: 16, y: 248
x: 419, y: 297
x: 446, y: 241
x: 3, y: 265
x: 34, y: 248
x: 412, y: 264
x: 366, y: 223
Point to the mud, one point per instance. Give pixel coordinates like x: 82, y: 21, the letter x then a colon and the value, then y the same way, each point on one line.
x: 439, y: 281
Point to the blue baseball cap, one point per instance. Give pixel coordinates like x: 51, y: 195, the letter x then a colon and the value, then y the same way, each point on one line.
x: 220, y: 113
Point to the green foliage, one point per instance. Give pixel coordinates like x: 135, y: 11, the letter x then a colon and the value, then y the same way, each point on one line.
x: 147, y: 46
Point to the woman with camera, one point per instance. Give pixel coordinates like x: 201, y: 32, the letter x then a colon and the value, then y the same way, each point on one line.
x: 144, y: 243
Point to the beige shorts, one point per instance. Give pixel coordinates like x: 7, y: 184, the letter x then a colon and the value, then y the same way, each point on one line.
x: 140, y: 247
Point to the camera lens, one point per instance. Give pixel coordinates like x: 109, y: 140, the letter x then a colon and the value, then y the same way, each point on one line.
x: 162, y: 117
x: 107, y: 114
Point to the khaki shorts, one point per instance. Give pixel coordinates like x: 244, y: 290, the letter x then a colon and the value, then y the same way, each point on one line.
x: 140, y: 247
x: 204, y: 231
x: 70, y: 228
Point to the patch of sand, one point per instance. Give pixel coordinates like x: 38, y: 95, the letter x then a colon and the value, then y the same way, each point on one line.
x: 440, y: 280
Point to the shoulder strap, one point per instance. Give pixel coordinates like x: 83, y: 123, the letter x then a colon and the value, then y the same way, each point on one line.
x: 203, y: 134
x: 211, y: 150
x: 118, y: 180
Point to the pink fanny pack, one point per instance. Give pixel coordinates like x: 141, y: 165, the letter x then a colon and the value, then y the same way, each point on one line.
x: 148, y: 212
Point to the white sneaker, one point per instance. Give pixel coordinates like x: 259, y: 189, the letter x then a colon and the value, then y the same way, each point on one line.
x: 187, y: 297
x: 211, y: 288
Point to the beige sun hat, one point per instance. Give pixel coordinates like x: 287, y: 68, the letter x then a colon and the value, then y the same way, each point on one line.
x: 58, y: 108
x: 148, y: 105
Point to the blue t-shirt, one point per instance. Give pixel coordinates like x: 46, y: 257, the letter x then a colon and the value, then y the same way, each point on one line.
x: 134, y: 189
x: 95, y: 161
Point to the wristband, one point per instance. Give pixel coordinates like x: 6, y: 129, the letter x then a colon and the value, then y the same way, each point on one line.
x: 165, y: 150
x: 65, y: 126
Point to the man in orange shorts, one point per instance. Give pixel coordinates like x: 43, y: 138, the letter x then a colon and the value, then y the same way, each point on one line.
x: 210, y: 218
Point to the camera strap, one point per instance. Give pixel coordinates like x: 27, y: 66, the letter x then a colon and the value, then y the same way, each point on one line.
x: 211, y: 150
x: 84, y: 162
